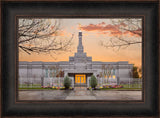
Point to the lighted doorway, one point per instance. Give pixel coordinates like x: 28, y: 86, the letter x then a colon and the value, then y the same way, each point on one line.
x: 80, y: 78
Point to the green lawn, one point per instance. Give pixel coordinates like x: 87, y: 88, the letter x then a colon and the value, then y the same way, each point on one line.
x: 120, y: 89
x: 38, y: 88
x: 29, y: 85
x: 131, y: 86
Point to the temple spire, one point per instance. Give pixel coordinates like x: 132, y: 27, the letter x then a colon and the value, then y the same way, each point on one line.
x: 80, y: 46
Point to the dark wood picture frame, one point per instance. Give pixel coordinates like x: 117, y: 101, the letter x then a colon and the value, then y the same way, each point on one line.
x: 147, y: 9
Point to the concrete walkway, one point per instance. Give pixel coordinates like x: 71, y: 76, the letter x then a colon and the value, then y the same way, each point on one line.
x: 79, y: 94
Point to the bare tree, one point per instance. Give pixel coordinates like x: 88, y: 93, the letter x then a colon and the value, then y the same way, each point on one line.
x: 140, y: 72
x: 106, y: 71
x: 126, y: 32
x: 41, y: 36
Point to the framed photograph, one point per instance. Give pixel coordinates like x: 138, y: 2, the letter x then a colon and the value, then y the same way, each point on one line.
x: 97, y: 59
x: 82, y: 77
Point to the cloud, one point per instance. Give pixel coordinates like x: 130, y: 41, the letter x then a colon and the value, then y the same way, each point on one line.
x: 98, y: 27
x: 113, y: 30
x: 62, y: 33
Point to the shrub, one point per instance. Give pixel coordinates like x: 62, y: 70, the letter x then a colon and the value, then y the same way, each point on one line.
x: 112, y: 86
x: 67, y: 82
x: 93, y: 81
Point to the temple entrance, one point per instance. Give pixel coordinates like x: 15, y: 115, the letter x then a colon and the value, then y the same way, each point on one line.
x: 80, y: 79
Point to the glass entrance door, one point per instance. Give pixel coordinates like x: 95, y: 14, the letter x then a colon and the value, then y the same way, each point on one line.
x: 80, y: 78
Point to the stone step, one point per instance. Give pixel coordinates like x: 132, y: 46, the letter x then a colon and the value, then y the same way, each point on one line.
x: 80, y: 88
x: 80, y: 85
x: 80, y: 98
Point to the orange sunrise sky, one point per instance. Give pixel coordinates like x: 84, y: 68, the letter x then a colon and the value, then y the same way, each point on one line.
x: 94, y: 32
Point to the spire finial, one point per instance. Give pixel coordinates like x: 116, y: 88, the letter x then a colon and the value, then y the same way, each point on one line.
x: 79, y: 27
x: 80, y: 46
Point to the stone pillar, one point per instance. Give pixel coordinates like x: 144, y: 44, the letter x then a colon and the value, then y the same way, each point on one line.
x: 31, y: 78
x: 48, y: 77
x: 101, y: 81
x: 58, y: 81
x: 88, y: 84
x: 65, y: 74
x: 118, y: 77
x: 72, y: 82
x: 50, y: 81
x: 20, y: 81
x: 42, y: 76
x: 42, y: 81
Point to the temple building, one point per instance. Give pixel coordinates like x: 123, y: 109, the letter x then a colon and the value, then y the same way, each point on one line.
x: 79, y: 68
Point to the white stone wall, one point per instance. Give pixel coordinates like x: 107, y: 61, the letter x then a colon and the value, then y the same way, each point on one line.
x: 35, y: 69
x: 124, y: 73
x: 23, y: 72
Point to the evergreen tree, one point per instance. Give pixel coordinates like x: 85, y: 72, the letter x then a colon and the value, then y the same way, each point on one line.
x: 93, y: 81
x: 67, y: 82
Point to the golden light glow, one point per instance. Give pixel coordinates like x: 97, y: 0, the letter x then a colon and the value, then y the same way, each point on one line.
x: 113, y: 76
x: 80, y: 78
x: 79, y: 26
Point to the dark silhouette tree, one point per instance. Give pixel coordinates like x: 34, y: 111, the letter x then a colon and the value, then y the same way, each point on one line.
x: 135, y: 72
x: 140, y: 72
x: 131, y: 26
x: 41, y: 36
